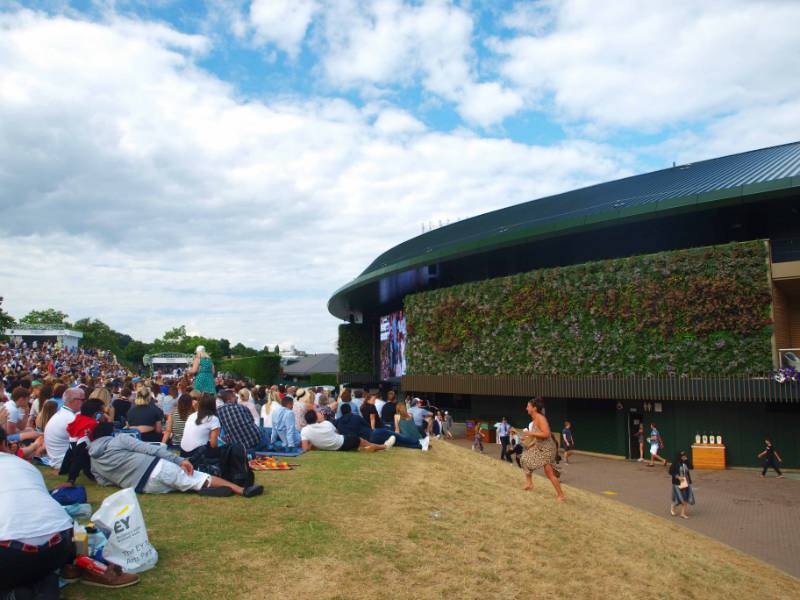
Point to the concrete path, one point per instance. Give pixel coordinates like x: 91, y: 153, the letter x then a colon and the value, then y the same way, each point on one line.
x: 758, y: 516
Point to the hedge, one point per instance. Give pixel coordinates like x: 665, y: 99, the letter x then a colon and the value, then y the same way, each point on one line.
x: 262, y: 369
x: 355, y: 349
x: 703, y: 311
x: 322, y: 379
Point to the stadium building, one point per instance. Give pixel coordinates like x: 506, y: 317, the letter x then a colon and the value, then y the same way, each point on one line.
x: 670, y: 297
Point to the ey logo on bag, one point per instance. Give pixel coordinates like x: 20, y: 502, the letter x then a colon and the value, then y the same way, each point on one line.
x: 122, y: 524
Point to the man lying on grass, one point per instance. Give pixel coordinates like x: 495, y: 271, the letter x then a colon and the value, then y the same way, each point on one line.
x: 320, y: 434
x: 151, y: 469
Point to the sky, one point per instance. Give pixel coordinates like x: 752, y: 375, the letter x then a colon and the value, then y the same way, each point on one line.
x: 229, y: 164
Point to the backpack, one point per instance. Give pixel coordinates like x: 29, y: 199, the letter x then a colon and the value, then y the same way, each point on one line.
x: 234, y: 465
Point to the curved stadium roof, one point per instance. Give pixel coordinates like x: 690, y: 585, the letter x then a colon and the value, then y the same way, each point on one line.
x: 705, y: 184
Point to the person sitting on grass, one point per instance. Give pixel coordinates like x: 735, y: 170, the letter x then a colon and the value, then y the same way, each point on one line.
x: 237, y: 423
x: 202, y: 427
x: 284, y: 432
x: 81, y: 433
x: 127, y: 462
x: 320, y: 434
x: 352, y: 424
x: 36, y: 536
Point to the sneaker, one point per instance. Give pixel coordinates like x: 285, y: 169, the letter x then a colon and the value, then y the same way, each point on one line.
x: 425, y: 443
x: 112, y: 578
x: 253, y: 490
x: 640, y: 460
x: 390, y: 442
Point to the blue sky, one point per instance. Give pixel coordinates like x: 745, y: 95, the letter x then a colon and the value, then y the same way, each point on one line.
x: 227, y: 165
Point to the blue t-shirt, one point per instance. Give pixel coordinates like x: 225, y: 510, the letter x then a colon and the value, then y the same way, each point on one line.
x: 654, y: 435
x: 566, y: 436
x: 419, y: 415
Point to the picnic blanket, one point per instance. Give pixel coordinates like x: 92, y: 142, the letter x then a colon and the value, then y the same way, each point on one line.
x: 297, y: 452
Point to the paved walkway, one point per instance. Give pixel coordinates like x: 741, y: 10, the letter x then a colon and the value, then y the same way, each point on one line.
x: 758, y: 516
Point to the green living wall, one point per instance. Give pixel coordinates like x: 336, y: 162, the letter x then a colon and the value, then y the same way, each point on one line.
x: 355, y: 349
x: 263, y: 369
x: 703, y: 311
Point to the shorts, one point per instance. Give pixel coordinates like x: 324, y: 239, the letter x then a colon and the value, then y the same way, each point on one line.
x: 653, y: 449
x: 351, y: 442
x: 168, y: 477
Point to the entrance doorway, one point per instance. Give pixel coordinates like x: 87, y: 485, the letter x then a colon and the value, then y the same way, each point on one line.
x: 634, y: 420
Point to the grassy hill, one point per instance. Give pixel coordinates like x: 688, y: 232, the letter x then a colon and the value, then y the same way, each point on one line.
x: 446, y: 524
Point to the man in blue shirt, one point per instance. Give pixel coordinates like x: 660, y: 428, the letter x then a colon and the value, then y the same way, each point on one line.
x: 504, y: 435
x: 422, y: 416
x: 283, y: 426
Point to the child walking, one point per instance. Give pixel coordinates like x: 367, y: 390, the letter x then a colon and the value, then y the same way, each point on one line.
x: 770, y: 455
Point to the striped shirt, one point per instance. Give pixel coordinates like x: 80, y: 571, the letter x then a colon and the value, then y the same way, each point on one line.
x: 177, y: 427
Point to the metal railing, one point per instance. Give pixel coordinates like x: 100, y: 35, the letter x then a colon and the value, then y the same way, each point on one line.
x: 716, y: 389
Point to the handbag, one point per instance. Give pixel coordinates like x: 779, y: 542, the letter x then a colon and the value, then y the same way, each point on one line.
x: 683, y: 483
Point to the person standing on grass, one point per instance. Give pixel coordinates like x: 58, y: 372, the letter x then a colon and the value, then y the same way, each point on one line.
x: 639, y: 435
x: 682, y: 493
x: 770, y: 455
x: 504, y: 435
x: 203, y: 371
x: 567, y: 441
x: 656, y: 444
x: 541, y: 450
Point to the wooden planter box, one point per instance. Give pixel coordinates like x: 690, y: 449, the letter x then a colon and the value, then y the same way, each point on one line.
x: 706, y: 456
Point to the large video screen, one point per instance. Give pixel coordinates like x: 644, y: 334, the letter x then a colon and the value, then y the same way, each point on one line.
x: 393, y: 345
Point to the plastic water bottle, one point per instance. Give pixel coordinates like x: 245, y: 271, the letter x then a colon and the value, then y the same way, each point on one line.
x: 80, y: 539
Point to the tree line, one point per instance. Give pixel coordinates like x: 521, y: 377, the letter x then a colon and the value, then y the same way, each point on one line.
x: 97, y: 334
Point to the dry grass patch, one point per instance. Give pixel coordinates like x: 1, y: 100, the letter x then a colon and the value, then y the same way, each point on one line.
x: 447, y: 524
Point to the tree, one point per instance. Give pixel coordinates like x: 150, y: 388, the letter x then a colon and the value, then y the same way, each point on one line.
x: 97, y: 334
x: 277, y: 349
x: 225, y: 347
x: 49, y: 316
x: 134, y: 352
x: 241, y: 350
x: 6, y: 320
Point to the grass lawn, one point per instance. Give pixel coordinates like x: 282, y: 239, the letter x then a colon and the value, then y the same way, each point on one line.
x: 403, y: 524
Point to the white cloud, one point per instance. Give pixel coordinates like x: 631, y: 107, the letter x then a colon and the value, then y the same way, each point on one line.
x: 139, y: 189
x: 488, y: 103
x: 653, y: 64
x: 282, y: 22
x: 388, y: 42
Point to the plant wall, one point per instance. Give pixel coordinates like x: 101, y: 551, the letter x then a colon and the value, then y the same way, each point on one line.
x: 355, y: 349
x: 703, y: 311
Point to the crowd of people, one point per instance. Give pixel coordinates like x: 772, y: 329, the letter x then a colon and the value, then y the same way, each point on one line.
x: 81, y: 413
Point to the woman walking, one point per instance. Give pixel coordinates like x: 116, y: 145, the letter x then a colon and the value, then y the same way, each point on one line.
x: 656, y: 444
x: 639, y: 435
x: 477, y: 438
x: 541, y: 450
x: 770, y: 455
x: 203, y: 371
x: 682, y: 493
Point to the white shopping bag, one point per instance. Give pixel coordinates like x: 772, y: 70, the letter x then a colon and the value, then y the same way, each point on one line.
x: 121, y: 519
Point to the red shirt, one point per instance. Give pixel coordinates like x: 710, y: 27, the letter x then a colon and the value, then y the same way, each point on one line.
x: 81, y: 427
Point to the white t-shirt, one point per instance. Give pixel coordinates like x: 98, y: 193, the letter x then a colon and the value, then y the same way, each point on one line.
x: 267, y: 417
x: 195, y: 435
x: 27, y: 512
x: 322, y: 435
x: 13, y: 411
x: 56, y: 438
x: 379, y: 406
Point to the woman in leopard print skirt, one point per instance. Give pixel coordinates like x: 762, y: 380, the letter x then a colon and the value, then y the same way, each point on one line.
x: 542, y: 452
